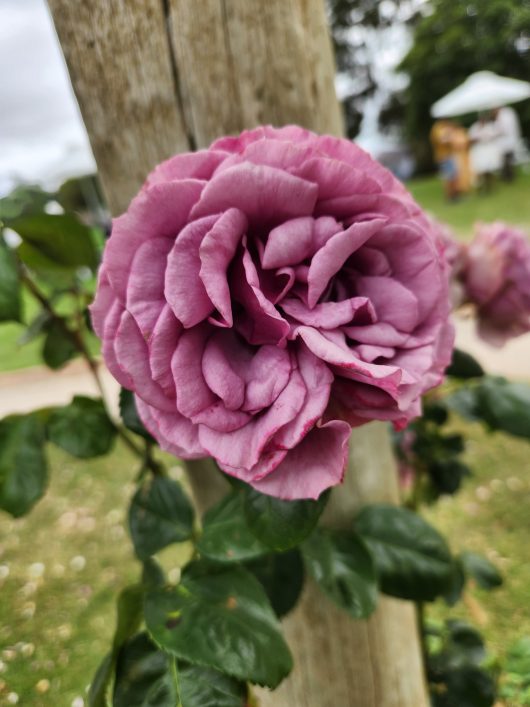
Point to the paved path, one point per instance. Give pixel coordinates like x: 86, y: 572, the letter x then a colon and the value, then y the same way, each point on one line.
x: 32, y: 388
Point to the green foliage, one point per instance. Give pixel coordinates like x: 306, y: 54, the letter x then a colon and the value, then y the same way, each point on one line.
x: 498, y: 403
x: 129, y: 414
x: 282, y: 577
x: 24, y: 200
x: 344, y: 569
x: 281, y: 524
x: 145, y: 676
x: 479, y: 568
x: 54, y: 242
x: 58, y: 347
x: 515, y: 686
x: 10, y: 298
x: 204, y: 687
x: 453, y: 40
x: 129, y: 618
x: 464, y: 366
x: 160, y: 514
x: 82, y: 428
x: 23, y: 467
x: 455, y: 671
x: 226, y: 537
x: 219, y: 617
x: 411, y: 558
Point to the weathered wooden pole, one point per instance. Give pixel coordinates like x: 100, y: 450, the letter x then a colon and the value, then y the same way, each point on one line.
x: 154, y: 77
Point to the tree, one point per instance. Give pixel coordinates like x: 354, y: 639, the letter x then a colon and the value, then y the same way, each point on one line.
x: 356, y: 26
x: 457, y: 38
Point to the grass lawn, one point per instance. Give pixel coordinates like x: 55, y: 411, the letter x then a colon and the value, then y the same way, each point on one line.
x: 62, y: 566
x: 507, y: 202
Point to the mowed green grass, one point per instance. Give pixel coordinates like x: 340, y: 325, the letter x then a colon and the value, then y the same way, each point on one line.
x: 491, y: 516
x: 63, y: 565
x: 506, y: 202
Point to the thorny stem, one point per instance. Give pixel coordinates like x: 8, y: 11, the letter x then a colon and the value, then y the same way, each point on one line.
x: 77, y: 339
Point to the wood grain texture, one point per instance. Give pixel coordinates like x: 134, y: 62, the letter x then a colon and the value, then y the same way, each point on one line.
x: 154, y: 77
x: 117, y: 53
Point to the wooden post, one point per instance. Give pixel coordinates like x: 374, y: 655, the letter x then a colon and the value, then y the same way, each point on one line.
x: 154, y: 77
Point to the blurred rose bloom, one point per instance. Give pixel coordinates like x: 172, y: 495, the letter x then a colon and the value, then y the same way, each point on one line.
x: 455, y: 255
x: 265, y: 295
x: 496, y: 279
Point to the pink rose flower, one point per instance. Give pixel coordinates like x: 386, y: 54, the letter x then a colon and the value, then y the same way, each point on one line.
x: 455, y: 255
x: 263, y: 296
x: 496, y: 278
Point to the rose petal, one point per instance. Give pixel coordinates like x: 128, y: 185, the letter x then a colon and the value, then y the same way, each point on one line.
x: 313, y: 466
x: 162, y: 345
x: 241, y: 449
x: 392, y: 301
x: 218, y: 372
x: 263, y: 323
x: 189, y: 165
x: 145, y: 290
x: 329, y: 315
x: 133, y: 357
x: 193, y: 395
x: 264, y: 194
x: 184, y: 290
x: 216, y: 251
x: 329, y: 259
x: 158, y: 211
x: 174, y: 433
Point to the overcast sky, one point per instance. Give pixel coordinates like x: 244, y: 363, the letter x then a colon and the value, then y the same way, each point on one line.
x: 42, y: 137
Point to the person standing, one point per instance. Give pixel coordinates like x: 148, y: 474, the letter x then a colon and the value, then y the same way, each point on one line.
x: 485, y: 152
x: 509, y: 131
x: 442, y: 135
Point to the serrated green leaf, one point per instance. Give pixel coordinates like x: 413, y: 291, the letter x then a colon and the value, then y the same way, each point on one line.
x: 52, y: 241
x: 456, y: 584
x: 24, y: 199
x: 10, y: 299
x: 447, y: 474
x: 129, y: 414
x: 205, y: 687
x: 343, y: 568
x: 152, y: 574
x: 219, y: 616
x: 226, y: 536
x: 144, y: 676
x: 129, y: 609
x: 282, y: 577
x: 99, y: 687
x: 82, y: 428
x: 505, y: 406
x: 36, y: 328
x: 160, y: 514
x: 467, y: 686
x: 464, y: 366
x: 58, y: 347
x: 279, y: 524
x: 23, y: 467
x: 500, y: 404
x: 484, y: 572
x: 411, y: 558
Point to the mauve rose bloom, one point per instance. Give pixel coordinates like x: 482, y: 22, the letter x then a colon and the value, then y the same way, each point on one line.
x: 496, y: 279
x: 265, y: 295
x: 455, y: 255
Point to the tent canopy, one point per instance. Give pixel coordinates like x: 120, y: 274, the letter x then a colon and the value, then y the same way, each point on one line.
x: 482, y: 90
